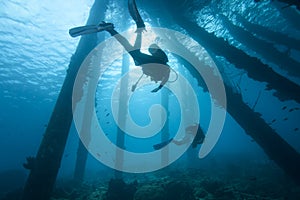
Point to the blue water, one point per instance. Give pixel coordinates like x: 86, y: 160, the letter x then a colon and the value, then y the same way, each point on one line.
x: 34, y: 57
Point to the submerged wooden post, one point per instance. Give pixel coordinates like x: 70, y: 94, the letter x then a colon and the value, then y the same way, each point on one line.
x: 82, y: 152
x: 123, y: 106
x: 278, y: 150
x: 256, y: 70
x: 165, y: 132
x: 268, y: 34
x: 47, y: 162
x: 123, y: 98
x: 291, y: 15
x: 263, y: 48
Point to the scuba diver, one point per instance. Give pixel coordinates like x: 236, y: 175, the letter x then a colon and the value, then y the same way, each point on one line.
x: 192, y: 130
x: 154, y: 65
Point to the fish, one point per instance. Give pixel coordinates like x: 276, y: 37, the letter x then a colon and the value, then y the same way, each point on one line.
x: 291, y: 110
x: 285, y: 119
x: 284, y: 107
x: 107, y: 115
x: 296, y: 129
x: 274, y: 120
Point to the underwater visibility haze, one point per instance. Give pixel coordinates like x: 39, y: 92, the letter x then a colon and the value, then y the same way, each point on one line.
x: 149, y: 100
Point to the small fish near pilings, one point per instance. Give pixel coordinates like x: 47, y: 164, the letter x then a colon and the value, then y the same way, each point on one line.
x: 296, y: 129
x: 293, y: 109
x: 274, y: 120
x: 107, y: 115
x: 290, y: 110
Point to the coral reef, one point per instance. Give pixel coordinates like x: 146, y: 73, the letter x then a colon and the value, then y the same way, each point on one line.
x: 226, y: 183
x: 180, y: 190
x: 119, y: 190
x: 150, y: 192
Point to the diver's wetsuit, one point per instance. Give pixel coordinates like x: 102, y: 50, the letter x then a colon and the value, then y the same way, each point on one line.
x: 152, y: 65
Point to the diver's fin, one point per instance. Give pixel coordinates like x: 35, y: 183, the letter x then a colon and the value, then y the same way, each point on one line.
x: 82, y: 30
x: 134, y: 13
x: 162, y: 145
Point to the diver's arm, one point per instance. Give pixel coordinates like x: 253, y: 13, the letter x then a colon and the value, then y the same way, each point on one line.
x: 163, y: 82
x: 158, y: 88
x: 138, y: 40
x: 121, y: 39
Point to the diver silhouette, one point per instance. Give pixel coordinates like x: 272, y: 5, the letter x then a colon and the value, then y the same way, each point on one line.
x: 193, y: 131
x: 154, y: 65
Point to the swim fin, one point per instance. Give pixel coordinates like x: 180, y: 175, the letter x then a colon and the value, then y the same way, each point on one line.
x: 134, y: 13
x: 82, y: 30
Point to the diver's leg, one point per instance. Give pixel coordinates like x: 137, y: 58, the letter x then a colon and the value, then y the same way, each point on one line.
x: 124, y: 42
x: 134, y: 13
x: 121, y: 39
x: 133, y: 51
